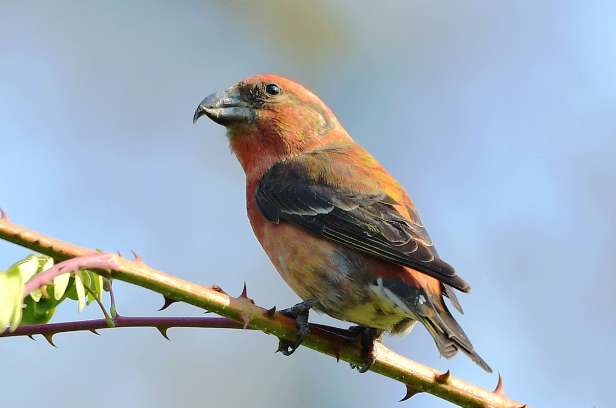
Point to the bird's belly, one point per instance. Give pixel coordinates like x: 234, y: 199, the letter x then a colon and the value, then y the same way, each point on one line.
x: 339, y: 279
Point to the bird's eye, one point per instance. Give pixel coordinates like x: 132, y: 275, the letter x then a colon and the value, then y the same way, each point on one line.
x: 272, y: 89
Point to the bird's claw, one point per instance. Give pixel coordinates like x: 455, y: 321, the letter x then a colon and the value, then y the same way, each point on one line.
x: 367, y: 337
x: 300, y: 313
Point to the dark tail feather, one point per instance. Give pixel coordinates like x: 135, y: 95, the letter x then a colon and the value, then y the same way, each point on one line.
x: 447, y: 333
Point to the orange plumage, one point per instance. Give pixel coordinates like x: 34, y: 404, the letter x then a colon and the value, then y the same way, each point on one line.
x: 340, y: 230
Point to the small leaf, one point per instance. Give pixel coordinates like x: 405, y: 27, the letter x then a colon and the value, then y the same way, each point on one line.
x: 81, y: 293
x: 44, y: 262
x: 71, y: 292
x: 28, y: 267
x: 86, y: 278
x: 99, y: 286
x: 60, y: 283
x: 11, y: 299
x: 94, y: 282
x: 38, y: 312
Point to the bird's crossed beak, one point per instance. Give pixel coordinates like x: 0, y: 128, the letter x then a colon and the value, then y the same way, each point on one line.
x: 225, y: 108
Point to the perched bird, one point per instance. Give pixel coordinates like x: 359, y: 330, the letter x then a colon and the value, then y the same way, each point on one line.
x: 340, y: 230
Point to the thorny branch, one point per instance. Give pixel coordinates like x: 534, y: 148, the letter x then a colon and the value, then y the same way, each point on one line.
x: 243, y: 312
x: 162, y: 324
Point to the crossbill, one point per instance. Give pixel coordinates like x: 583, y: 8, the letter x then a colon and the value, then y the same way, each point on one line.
x: 340, y: 230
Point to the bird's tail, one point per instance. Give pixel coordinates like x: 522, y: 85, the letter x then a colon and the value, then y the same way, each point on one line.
x: 446, y: 332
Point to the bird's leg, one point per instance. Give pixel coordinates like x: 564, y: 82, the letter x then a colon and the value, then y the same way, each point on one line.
x: 367, y: 337
x: 299, y: 312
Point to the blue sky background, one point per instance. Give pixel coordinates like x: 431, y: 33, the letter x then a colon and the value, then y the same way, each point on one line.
x: 498, y: 117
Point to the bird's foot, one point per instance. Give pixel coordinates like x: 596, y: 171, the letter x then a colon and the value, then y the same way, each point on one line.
x: 299, y: 312
x: 367, y: 337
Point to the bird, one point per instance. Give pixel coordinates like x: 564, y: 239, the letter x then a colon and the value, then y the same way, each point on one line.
x: 338, y: 227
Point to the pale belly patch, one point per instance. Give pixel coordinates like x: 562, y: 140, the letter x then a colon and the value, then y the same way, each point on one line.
x: 337, y: 278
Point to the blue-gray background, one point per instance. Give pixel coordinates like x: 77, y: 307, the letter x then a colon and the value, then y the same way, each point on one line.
x: 499, y: 117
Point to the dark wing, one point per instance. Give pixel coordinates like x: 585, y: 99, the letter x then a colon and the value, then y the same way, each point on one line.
x: 367, y: 222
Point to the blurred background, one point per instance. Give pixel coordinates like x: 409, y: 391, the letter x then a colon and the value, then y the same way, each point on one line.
x: 499, y: 117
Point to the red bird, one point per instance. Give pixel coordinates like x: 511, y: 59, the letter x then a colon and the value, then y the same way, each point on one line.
x: 340, y: 230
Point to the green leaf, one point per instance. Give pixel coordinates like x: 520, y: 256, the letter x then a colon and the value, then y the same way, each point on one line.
x: 45, y: 262
x: 60, y: 283
x: 71, y: 292
x: 38, y: 312
x: 81, y: 293
x: 27, y: 268
x: 30, y: 266
x: 94, y: 282
x: 99, y: 287
x: 11, y: 299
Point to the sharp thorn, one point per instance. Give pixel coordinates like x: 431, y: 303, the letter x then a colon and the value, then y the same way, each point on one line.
x: 443, y: 378
x: 271, y: 312
x: 206, y: 312
x: 95, y: 332
x: 244, y: 294
x: 167, y: 302
x: 119, y: 254
x: 3, y: 216
x: 163, y: 332
x: 31, y: 337
x: 218, y: 289
x: 136, y: 256
x: 500, y: 388
x: 410, y: 392
x: 49, y: 338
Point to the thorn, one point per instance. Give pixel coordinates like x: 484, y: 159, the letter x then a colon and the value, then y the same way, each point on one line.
x: 95, y: 332
x: 443, y: 378
x: 245, y: 318
x: 119, y: 254
x: 163, y: 332
x: 271, y: 312
x: 31, y: 337
x: 218, y: 289
x: 49, y: 338
x: 168, y: 302
x: 3, y: 216
x: 500, y: 388
x: 136, y: 256
x: 410, y: 392
x: 244, y: 294
x: 206, y: 312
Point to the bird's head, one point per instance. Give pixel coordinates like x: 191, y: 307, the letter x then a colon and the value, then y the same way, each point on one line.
x: 268, y: 118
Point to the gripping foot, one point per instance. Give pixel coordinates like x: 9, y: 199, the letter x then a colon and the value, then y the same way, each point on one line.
x: 367, y: 337
x: 299, y: 312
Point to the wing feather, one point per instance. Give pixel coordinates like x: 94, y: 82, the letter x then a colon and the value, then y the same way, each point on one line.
x: 365, y: 221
